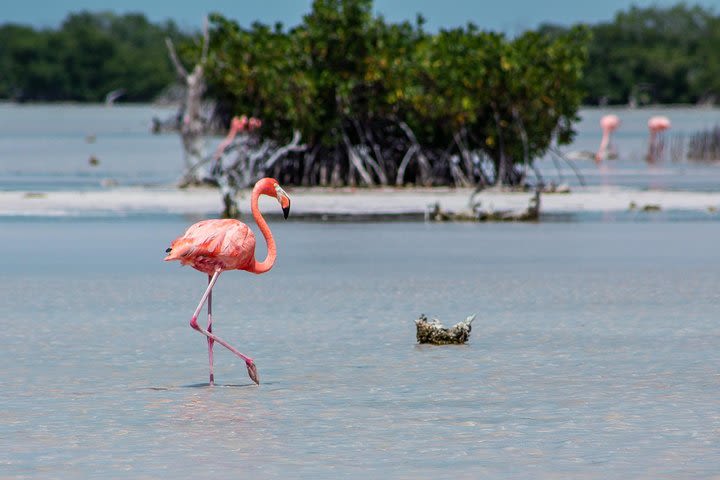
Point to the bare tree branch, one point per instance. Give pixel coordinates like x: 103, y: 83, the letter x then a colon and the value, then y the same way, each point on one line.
x: 356, y: 161
x: 524, y: 138
x: 403, y: 165
x: 579, y: 176
x: 362, y: 150
x: 179, y: 69
x: 425, y: 170
x: 206, y: 42
x: 282, y: 151
x: 457, y: 173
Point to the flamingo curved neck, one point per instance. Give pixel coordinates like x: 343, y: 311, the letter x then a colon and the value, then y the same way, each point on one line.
x: 267, y: 264
x: 603, y: 146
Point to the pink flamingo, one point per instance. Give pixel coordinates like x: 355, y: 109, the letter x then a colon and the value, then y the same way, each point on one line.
x: 238, y: 124
x: 608, y: 123
x: 213, y: 246
x: 657, y: 125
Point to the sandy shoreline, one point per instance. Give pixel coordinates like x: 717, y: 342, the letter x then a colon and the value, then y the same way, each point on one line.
x: 319, y: 203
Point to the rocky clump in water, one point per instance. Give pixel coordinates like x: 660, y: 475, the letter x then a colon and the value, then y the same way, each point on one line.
x: 478, y: 213
x: 435, y: 333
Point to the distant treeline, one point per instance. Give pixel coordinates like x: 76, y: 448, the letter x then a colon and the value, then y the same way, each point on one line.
x: 90, y: 55
x: 645, y: 55
x: 654, y: 55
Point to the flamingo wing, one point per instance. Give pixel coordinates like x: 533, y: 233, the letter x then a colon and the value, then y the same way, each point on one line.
x: 214, y: 244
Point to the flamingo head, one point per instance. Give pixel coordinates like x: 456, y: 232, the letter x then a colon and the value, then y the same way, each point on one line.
x: 270, y: 187
x: 252, y: 371
x: 245, y: 124
x: 609, y: 123
x: 239, y: 123
x: 284, y: 200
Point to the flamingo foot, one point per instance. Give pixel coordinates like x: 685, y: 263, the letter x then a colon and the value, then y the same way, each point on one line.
x: 252, y: 371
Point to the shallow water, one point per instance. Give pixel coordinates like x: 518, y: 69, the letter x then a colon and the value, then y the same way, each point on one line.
x: 595, y: 353
x: 47, y: 147
x: 630, y: 142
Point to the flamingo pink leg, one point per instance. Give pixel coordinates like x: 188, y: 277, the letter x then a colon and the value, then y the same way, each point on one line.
x: 252, y: 370
x: 210, y: 341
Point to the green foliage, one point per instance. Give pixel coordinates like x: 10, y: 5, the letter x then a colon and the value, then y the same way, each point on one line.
x: 343, y: 76
x: 87, y: 57
x: 345, y: 59
x: 654, y: 55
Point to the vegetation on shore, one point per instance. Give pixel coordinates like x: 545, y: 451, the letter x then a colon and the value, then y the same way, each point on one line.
x: 644, y: 55
x: 89, y: 56
x: 654, y: 55
x: 379, y: 103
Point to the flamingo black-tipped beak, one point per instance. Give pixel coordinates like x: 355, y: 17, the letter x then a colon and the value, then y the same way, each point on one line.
x: 284, y: 200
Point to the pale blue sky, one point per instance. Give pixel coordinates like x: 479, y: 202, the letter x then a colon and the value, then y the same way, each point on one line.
x: 510, y: 16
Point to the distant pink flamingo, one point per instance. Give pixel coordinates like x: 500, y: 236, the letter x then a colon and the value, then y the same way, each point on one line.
x: 238, y: 124
x: 657, y: 125
x: 608, y: 123
x: 213, y: 246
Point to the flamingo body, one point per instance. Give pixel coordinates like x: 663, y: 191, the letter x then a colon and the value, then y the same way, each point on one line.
x: 238, y: 124
x: 212, y: 245
x: 608, y: 123
x: 658, y: 123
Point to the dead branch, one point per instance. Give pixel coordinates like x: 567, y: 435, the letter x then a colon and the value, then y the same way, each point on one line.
x: 461, y: 179
x: 362, y: 150
x: 192, y: 126
x: 293, y: 146
x: 425, y: 170
x: 243, y: 161
x: 561, y: 155
x: 524, y: 138
x: 403, y: 165
x: 356, y: 162
x: 206, y: 42
x: 179, y: 69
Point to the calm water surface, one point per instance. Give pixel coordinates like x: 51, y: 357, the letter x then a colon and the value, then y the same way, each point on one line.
x: 48, y: 147
x: 594, y: 355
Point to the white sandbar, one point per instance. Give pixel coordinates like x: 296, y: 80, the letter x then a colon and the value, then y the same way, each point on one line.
x: 346, y: 201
